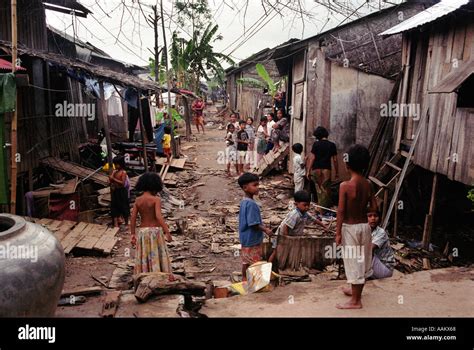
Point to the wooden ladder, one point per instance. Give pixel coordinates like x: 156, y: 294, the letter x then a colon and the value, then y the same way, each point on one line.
x: 389, y: 166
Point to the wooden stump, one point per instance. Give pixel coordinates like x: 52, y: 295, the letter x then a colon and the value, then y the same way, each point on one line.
x: 147, y: 285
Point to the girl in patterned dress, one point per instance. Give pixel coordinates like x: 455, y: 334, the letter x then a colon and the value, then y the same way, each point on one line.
x: 150, y: 238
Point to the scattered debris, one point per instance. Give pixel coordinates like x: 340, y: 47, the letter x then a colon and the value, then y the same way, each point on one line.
x: 82, y: 292
x: 110, y: 304
x: 122, y: 277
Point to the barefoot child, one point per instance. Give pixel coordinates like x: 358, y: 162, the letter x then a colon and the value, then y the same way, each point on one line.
x: 242, y: 146
x: 231, y: 150
x: 383, y: 261
x: 296, y: 220
x: 152, y: 253
x: 167, y: 144
x: 353, y: 231
x: 250, y: 129
x: 261, y: 141
x: 251, y: 227
x: 298, y: 167
x: 119, y: 204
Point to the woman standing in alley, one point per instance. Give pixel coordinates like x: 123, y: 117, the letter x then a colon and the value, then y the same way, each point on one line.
x: 319, y: 168
x: 198, y: 111
x: 119, y: 204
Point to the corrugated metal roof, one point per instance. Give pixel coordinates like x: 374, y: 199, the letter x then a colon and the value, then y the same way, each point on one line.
x: 439, y: 10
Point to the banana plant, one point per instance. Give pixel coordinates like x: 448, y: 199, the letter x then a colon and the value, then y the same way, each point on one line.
x: 266, y: 83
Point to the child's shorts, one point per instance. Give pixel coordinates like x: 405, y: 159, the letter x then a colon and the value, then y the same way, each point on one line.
x: 251, y: 255
x: 230, y: 155
x: 167, y: 151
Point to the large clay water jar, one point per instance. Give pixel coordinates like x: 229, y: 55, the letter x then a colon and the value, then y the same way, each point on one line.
x: 32, y: 269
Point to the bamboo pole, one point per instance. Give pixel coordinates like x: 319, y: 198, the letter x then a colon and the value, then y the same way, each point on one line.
x: 142, y: 131
x: 14, y: 145
x: 429, y: 217
x: 168, y: 82
x: 105, y: 123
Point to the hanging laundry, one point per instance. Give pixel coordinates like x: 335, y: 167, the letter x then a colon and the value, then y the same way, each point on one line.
x: 7, y: 93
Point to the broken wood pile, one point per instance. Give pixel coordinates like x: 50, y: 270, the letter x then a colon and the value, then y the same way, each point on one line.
x: 82, y: 236
x: 306, y: 251
x: 414, y: 259
x: 76, y: 170
x: 271, y: 160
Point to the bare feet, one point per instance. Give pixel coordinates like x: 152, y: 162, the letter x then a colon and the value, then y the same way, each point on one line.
x: 349, y: 305
x: 347, y: 291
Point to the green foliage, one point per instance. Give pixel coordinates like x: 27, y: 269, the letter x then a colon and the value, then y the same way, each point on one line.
x: 161, y: 69
x: 193, y: 15
x: 174, y: 113
x: 267, y: 82
x: 470, y: 195
x: 195, y: 58
x: 251, y: 82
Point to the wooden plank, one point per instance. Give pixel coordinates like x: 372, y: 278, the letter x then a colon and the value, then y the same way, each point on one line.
x: 447, y: 114
x: 108, y: 244
x: 76, y: 170
x: 175, y: 163
x: 165, y: 172
x: 74, y: 237
x: 466, y: 172
x: 108, y: 240
x: 44, y: 221
x: 377, y: 182
x: 429, y: 218
x: 92, y: 237
x: 64, y: 229
x: 453, y: 145
x: 110, y: 305
x: 393, y: 166
x: 469, y: 42
x: 459, y: 41
x: 54, y: 225
x: 82, y: 291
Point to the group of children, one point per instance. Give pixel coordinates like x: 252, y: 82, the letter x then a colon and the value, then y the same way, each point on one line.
x: 246, y: 146
x: 240, y: 144
x: 357, y: 225
x: 357, y: 215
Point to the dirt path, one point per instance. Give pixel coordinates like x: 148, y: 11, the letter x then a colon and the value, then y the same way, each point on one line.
x: 206, y: 252
x: 435, y: 293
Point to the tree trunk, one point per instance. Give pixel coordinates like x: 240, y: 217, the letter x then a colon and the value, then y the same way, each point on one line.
x: 187, y: 118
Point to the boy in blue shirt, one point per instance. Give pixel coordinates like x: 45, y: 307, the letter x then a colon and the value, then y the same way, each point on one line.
x: 251, y: 227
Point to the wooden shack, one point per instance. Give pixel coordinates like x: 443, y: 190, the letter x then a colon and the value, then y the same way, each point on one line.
x: 438, y: 65
x: 340, y: 78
